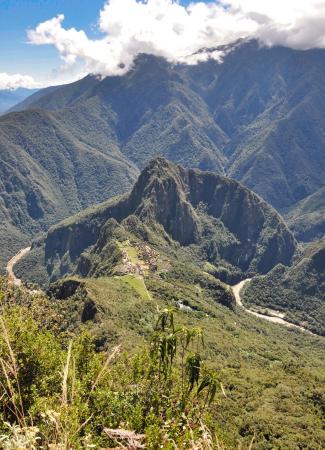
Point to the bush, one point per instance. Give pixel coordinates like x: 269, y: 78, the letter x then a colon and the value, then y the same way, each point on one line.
x: 68, y: 395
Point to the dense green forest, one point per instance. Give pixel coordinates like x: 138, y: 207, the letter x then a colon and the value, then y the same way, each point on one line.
x: 205, y: 377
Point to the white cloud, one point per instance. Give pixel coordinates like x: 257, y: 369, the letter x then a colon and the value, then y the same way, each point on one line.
x: 298, y: 24
x: 15, y: 81
x: 166, y: 28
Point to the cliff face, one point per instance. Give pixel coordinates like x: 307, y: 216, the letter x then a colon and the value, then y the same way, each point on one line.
x: 182, y: 200
x: 161, y: 196
x: 217, y: 217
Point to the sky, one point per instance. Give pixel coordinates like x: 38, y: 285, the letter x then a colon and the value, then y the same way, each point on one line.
x: 43, y: 63
x: 46, y: 42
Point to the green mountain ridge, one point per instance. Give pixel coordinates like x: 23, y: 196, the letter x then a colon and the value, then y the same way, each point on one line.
x: 179, y: 211
x: 49, y: 171
x: 266, y: 123
x: 257, y: 117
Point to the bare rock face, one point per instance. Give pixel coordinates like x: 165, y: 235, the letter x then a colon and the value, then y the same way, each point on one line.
x: 218, y: 216
x: 65, y: 289
x: 89, y: 311
x: 171, y: 196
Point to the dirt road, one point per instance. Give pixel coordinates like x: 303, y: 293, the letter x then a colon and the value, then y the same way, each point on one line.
x: 273, y: 316
x: 11, y: 264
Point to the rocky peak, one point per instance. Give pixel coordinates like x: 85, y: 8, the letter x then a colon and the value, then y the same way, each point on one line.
x: 171, y: 195
x: 226, y: 222
x: 160, y: 195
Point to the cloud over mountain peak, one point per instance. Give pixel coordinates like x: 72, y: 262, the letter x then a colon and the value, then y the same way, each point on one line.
x: 169, y: 29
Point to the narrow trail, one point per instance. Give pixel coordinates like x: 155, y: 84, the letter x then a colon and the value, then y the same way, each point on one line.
x: 11, y: 264
x: 11, y: 274
x: 274, y: 316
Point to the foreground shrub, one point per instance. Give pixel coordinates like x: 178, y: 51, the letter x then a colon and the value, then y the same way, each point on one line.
x: 67, y: 395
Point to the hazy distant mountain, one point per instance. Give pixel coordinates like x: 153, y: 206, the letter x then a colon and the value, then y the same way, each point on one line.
x: 9, y: 98
x: 257, y: 117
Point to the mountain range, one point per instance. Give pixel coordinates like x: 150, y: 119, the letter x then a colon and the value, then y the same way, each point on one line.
x: 166, y: 209
x: 256, y: 117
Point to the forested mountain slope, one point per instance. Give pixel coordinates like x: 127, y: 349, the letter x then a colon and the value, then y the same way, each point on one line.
x: 257, y: 117
x: 299, y: 290
x: 307, y: 218
x: 262, y: 109
x: 51, y: 167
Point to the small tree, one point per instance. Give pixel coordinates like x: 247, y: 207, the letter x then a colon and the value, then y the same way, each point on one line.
x: 176, y: 349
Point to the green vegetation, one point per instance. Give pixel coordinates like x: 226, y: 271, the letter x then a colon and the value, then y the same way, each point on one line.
x: 88, y: 359
x: 162, y: 247
x: 271, y: 378
x: 299, y: 291
x: 187, y: 215
x: 261, y: 130
x: 79, y: 144
x: 307, y: 218
x: 67, y: 395
x: 137, y: 284
x: 47, y: 172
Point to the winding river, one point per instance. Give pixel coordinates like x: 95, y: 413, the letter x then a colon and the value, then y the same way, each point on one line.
x: 273, y: 316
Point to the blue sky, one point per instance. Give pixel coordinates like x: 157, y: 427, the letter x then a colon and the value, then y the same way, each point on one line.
x: 16, y: 16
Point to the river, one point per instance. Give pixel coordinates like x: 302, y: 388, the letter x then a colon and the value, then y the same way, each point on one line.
x: 273, y: 316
